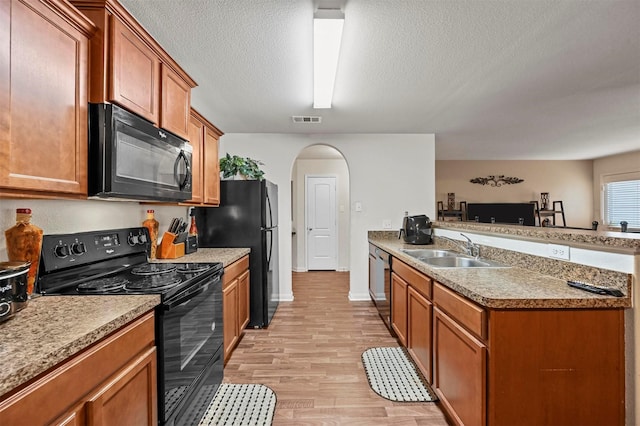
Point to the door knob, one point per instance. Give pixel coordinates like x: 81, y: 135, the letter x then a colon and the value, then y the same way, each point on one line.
x: 309, y: 229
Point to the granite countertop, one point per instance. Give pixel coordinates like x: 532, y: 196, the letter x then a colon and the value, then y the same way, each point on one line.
x: 204, y: 255
x: 504, y: 288
x: 53, y: 328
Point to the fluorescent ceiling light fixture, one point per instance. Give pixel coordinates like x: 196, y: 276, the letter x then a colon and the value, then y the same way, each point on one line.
x: 327, y: 35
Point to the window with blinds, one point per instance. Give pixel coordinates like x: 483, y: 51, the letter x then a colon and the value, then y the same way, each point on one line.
x: 622, y: 203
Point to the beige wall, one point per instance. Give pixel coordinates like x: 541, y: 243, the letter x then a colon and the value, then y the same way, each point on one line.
x: 337, y: 168
x: 383, y: 183
x: 615, y: 164
x: 568, y: 181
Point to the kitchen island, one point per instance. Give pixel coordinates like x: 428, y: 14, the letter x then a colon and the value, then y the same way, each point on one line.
x: 515, y: 344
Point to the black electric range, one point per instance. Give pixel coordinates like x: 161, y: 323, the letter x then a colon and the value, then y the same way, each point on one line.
x: 189, y: 335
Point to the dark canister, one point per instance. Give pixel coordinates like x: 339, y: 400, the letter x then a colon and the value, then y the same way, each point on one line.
x: 13, y: 288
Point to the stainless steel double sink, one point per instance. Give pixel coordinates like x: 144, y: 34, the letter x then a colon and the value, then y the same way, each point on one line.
x: 437, y: 258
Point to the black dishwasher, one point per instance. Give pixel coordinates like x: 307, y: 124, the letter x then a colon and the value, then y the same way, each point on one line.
x: 380, y: 283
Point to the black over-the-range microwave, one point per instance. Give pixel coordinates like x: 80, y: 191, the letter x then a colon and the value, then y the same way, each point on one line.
x: 132, y: 159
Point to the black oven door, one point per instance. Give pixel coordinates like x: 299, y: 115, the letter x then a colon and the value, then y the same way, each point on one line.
x: 189, y: 337
x: 131, y: 158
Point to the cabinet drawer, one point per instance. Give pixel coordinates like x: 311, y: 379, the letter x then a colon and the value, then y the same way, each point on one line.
x: 465, y: 312
x: 234, y: 270
x: 418, y: 281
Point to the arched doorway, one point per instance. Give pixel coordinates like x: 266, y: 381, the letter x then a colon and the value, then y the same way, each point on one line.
x: 325, y: 164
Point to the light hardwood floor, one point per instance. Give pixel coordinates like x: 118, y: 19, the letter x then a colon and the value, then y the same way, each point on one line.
x: 310, y: 356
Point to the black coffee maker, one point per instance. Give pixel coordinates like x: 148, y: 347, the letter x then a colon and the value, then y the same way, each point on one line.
x: 416, y: 229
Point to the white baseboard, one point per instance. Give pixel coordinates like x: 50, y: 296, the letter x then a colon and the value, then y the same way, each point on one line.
x: 296, y: 269
x: 359, y: 297
x: 285, y: 297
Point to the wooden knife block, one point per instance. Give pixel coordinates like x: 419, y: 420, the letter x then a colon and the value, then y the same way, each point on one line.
x: 167, y: 249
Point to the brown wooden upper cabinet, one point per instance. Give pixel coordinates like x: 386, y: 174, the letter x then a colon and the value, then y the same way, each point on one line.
x: 129, y: 68
x: 204, y: 137
x: 44, y: 50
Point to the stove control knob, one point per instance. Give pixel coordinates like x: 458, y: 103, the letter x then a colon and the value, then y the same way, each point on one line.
x: 61, y: 251
x: 132, y: 239
x: 142, y: 239
x: 78, y: 248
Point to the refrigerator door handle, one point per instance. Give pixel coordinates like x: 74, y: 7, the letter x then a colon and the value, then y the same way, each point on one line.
x: 270, y: 223
x: 270, y: 249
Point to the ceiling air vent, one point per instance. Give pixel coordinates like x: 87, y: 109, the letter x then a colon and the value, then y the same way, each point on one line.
x: 306, y: 119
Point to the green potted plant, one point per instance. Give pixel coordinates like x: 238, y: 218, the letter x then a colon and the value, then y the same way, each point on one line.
x: 230, y: 166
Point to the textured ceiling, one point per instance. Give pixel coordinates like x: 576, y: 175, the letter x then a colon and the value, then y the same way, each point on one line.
x: 493, y: 79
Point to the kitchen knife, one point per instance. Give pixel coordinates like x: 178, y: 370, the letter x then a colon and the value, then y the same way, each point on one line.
x: 173, y: 225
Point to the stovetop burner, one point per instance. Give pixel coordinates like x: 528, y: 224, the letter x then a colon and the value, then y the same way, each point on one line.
x: 152, y: 283
x: 153, y: 269
x: 102, y: 285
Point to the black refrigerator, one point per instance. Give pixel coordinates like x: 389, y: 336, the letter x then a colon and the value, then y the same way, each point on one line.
x: 248, y: 217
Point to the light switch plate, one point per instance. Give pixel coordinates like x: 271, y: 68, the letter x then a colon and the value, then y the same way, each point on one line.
x: 557, y: 251
x: 358, y: 206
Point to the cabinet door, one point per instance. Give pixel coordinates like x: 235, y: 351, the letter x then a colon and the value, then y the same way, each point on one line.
x: 211, y: 168
x: 43, y: 99
x: 129, y: 398
x: 419, y: 331
x: 243, y: 301
x: 459, y: 371
x: 230, y: 317
x: 135, y: 73
x: 196, y: 138
x: 399, y: 307
x: 176, y: 103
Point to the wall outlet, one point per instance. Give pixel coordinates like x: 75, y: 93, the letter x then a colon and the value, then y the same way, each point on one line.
x: 386, y: 224
x: 557, y: 251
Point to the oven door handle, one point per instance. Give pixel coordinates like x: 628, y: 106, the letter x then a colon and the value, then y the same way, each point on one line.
x: 186, y: 299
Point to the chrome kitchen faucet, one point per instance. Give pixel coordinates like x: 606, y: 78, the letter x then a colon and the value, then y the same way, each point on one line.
x: 469, y: 247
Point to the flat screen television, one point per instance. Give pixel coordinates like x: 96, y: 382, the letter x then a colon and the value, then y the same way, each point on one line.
x: 502, y: 213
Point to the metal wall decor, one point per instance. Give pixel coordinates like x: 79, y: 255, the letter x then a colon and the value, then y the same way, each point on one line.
x: 496, y: 180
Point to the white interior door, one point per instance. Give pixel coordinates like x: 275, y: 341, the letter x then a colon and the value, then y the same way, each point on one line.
x: 322, y: 248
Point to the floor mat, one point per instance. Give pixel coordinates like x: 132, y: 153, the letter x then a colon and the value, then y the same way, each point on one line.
x: 245, y: 405
x: 393, y: 376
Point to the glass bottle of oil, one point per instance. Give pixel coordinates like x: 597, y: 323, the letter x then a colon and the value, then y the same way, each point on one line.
x: 152, y: 225
x: 24, y: 242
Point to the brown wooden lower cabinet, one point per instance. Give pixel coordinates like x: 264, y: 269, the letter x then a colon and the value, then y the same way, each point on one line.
x: 399, y: 307
x: 459, y: 371
x: 112, y: 382
x: 243, y: 300
x: 512, y: 366
x: 556, y: 367
x: 419, y: 331
x: 235, y: 303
